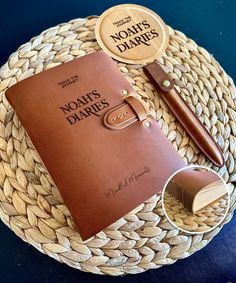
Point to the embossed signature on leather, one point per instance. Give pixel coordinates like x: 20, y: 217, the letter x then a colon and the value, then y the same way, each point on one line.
x: 100, y: 170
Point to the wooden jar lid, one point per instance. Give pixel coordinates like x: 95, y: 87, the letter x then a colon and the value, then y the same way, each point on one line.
x: 132, y: 34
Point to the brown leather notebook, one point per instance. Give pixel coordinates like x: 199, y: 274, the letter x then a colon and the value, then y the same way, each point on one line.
x: 104, y: 156
x: 196, y: 188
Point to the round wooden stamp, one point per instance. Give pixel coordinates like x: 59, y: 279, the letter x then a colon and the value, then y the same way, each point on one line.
x: 132, y: 34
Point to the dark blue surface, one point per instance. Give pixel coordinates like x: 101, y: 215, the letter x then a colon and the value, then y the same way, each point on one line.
x: 19, y: 262
x: 212, y: 24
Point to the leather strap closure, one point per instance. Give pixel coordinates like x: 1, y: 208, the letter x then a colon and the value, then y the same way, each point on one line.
x: 137, y: 107
x: 125, y: 114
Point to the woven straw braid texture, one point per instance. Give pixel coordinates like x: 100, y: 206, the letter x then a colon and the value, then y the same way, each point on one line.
x: 202, y: 221
x: 31, y: 205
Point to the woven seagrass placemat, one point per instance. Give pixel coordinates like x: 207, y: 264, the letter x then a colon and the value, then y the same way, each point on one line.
x: 202, y: 221
x: 31, y: 205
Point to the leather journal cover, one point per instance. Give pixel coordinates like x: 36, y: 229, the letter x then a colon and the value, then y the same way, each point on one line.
x: 104, y: 156
x: 196, y: 188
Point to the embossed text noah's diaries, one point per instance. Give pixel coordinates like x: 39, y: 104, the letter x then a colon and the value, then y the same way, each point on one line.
x: 132, y: 33
x: 138, y: 34
x: 86, y: 105
x: 84, y: 157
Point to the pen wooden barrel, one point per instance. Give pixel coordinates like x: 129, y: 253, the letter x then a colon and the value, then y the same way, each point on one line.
x: 31, y: 205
